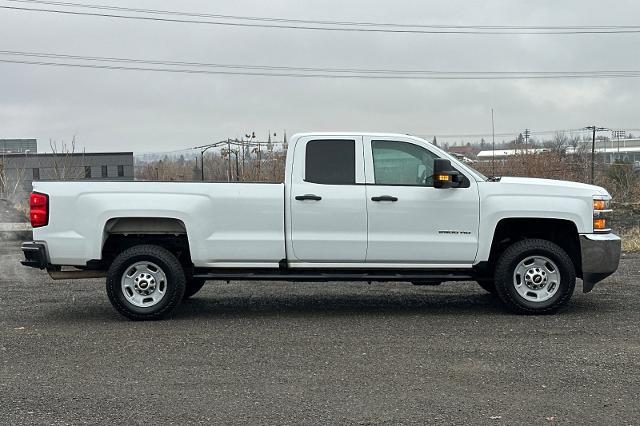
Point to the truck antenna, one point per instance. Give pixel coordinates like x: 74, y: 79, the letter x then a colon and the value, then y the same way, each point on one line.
x: 493, y: 145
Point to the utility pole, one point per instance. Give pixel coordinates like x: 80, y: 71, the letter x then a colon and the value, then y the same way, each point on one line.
x: 238, y: 165
x: 527, y: 133
x: 258, y: 156
x: 3, y: 170
x: 594, y: 129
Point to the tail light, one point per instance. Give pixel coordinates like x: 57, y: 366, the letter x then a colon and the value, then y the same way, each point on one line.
x: 39, y: 209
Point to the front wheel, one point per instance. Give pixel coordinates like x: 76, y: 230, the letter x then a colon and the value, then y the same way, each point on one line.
x: 535, y: 277
x: 145, y: 282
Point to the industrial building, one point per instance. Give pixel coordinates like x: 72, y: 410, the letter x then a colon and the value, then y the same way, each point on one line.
x: 18, y: 146
x: 19, y: 170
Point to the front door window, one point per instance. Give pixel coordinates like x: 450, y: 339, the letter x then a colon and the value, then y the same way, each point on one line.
x: 402, y: 163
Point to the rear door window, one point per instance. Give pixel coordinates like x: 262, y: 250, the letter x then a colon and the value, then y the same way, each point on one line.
x: 331, y: 162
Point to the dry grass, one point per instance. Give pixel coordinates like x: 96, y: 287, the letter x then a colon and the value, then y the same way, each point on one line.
x: 23, y: 207
x: 631, y: 239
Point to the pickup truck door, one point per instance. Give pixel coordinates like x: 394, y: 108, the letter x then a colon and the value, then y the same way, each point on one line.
x: 410, y: 221
x: 327, y: 205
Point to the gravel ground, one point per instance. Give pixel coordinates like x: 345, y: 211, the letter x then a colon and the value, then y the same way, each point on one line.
x: 316, y: 354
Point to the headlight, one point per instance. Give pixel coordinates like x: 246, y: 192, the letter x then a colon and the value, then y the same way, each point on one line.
x: 601, y: 212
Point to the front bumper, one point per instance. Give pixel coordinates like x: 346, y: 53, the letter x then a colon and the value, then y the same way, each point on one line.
x: 600, y: 258
x: 35, y: 254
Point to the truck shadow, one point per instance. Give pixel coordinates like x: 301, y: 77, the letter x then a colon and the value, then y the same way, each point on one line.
x: 338, y: 305
x: 431, y: 304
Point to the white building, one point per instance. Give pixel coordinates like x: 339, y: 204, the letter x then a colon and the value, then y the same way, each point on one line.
x: 504, y: 153
x: 625, y: 150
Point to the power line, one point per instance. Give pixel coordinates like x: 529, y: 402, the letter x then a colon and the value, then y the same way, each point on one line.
x: 304, y: 21
x: 350, y: 76
x: 441, y: 76
x: 322, y: 22
x: 281, y: 23
x: 587, y: 73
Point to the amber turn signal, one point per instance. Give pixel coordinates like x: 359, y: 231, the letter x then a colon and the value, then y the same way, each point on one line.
x: 444, y: 178
x: 599, y: 224
x: 599, y: 205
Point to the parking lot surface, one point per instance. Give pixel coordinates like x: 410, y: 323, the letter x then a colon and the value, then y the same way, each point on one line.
x: 326, y: 353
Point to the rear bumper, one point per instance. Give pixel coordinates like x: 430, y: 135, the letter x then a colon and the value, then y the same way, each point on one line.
x: 35, y: 254
x: 600, y: 258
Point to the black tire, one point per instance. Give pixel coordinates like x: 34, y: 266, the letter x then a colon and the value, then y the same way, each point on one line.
x: 488, y: 285
x: 174, y: 287
x: 193, y: 286
x: 505, y: 280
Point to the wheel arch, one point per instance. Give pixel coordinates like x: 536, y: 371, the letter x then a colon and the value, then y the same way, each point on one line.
x: 121, y: 233
x: 562, y: 232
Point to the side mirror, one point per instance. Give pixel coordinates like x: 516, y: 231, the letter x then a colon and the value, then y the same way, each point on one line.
x: 444, y: 175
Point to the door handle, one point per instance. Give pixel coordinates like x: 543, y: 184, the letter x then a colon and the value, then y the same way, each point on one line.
x: 308, y: 197
x: 384, y: 198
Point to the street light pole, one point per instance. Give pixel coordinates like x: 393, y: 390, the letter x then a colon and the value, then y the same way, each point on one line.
x: 202, y: 164
x: 203, y: 149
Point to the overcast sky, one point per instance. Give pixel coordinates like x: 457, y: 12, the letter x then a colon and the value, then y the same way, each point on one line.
x: 149, y: 111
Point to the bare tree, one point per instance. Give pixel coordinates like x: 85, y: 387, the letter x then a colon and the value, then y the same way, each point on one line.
x: 9, y: 184
x: 574, y: 141
x: 66, y: 165
x: 559, y: 143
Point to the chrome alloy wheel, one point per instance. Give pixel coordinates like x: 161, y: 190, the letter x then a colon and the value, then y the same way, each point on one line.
x: 144, y: 284
x: 536, y: 278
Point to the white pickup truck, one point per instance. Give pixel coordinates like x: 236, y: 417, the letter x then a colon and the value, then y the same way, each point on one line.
x: 353, y: 207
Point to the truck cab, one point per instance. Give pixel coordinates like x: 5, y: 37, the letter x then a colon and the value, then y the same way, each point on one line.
x: 371, y: 200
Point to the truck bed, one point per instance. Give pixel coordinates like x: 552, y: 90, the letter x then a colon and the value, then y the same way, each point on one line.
x: 228, y: 224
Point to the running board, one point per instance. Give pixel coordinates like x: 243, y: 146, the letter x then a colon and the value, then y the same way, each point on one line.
x: 312, y: 276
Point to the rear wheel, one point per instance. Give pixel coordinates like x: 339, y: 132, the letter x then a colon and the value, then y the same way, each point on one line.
x: 193, y: 286
x: 145, y: 282
x: 535, y: 277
